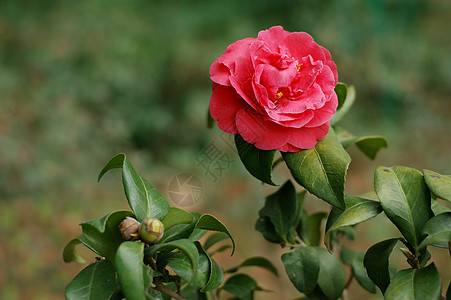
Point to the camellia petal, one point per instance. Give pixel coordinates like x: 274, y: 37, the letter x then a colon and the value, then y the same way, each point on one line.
x: 276, y: 90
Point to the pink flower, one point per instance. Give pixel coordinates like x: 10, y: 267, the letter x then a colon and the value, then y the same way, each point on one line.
x: 276, y: 90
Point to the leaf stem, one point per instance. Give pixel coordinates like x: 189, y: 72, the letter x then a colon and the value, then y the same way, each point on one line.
x: 159, y: 286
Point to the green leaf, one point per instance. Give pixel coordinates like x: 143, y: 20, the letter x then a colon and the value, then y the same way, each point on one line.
x: 95, y: 282
x: 369, y: 145
x: 256, y: 261
x: 322, y: 169
x: 331, y: 278
x: 438, y: 230
x: 267, y: 229
x: 339, y: 114
x: 302, y: 267
x: 376, y: 262
x: 177, y: 216
x: 197, y: 234
x: 216, y: 276
x: 347, y: 255
x: 314, y: 228
x: 282, y: 209
x: 415, y: 284
x: 210, y: 120
x: 437, y: 208
x: 241, y: 285
x: 405, y: 200
x: 439, y: 184
x: 181, y: 265
x: 210, y: 222
x: 143, y: 198
x: 70, y: 252
x: 135, y: 278
x: 102, y: 235
x: 360, y: 273
x: 186, y: 246
x: 213, y: 239
x: 357, y: 211
x: 342, y: 91
x: 448, y: 292
x: 257, y: 162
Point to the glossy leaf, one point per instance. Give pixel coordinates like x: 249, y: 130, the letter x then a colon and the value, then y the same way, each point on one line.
x: 360, y: 273
x: 357, y: 211
x: 213, y: 239
x: 70, y: 252
x: 143, y: 198
x: 241, y: 285
x: 376, y: 262
x: 369, y: 145
x: 322, y: 169
x: 282, y: 209
x: 267, y: 229
x: 349, y: 101
x: 331, y: 278
x: 135, y: 278
x: 439, y: 184
x: 181, y: 265
x: 95, y: 282
x: 302, y: 267
x: 197, y: 234
x: 257, y: 162
x: 438, y: 230
x: 103, y: 235
x: 176, y: 216
x: 209, y: 222
x: 256, y: 261
x: 185, y: 245
x: 342, y: 91
x: 405, y: 200
x: 415, y: 284
x: 314, y: 228
x: 215, y: 274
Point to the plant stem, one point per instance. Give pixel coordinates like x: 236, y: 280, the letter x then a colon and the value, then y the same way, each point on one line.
x: 164, y: 289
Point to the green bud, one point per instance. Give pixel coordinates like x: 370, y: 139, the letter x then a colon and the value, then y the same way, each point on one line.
x: 151, y: 230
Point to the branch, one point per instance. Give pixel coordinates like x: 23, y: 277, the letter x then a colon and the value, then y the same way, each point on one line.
x: 164, y: 289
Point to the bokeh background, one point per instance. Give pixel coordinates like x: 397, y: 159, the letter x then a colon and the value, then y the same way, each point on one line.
x: 83, y: 80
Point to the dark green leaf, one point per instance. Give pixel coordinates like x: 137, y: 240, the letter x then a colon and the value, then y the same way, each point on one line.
x: 70, y: 252
x: 213, y: 239
x: 135, y: 278
x: 256, y: 261
x: 448, y: 292
x: 143, y: 198
x: 185, y: 245
x: 282, y: 209
x: 360, y: 273
x: 210, y: 120
x: 331, y: 278
x: 322, y: 169
x: 405, y: 199
x: 197, y: 234
x: 103, y: 235
x: 177, y: 216
x: 266, y: 227
x: 95, y: 282
x: 241, y: 285
x: 181, y: 265
x: 415, y: 284
x: 350, y: 97
x: 209, y: 222
x: 438, y: 230
x: 221, y: 249
x: 369, y: 145
x: 257, y: 162
x: 376, y: 262
x: 341, y: 90
x: 215, y: 274
x: 439, y: 184
x: 302, y: 267
x: 314, y: 228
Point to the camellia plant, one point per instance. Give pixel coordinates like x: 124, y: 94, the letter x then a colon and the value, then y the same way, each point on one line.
x: 279, y: 95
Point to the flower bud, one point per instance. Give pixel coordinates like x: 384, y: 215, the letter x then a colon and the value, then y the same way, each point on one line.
x: 129, y: 229
x: 151, y: 230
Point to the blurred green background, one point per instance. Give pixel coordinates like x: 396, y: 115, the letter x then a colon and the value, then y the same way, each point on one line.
x: 83, y: 80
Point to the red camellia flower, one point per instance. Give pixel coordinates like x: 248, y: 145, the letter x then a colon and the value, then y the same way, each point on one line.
x: 276, y: 90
